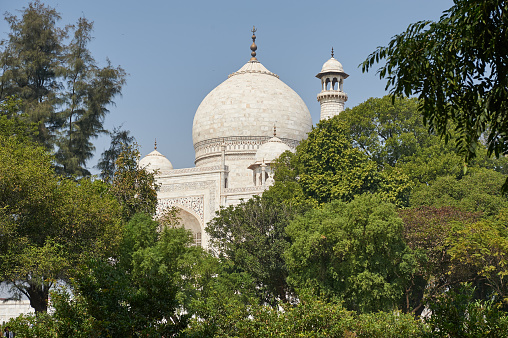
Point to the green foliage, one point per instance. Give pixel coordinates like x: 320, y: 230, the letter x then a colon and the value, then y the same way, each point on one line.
x: 135, y: 188
x: 481, y: 248
x: 62, y: 89
x: 386, y: 129
x: 328, y: 167
x: 431, y: 162
x: 351, y: 251
x: 142, y: 290
x: 13, y: 122
x: 479, y: 191
x: 30, y: 62
x: 456, y: 68
x: 309, y: 318
x: 426, y: 230
x: 252, y: 235
x: 286, y: 187
x: 120, y: 139
x: 390, y: 130
x: 49, y: 224
x: 222, y: 299
x: 458, y: 314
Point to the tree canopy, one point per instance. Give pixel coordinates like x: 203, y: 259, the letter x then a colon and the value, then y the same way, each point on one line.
x: 49, y: 224
x: 327, y: 166
x: 353, y: 251
x: 252, y: 235
x: 62, y: 90
x: 457, y: 68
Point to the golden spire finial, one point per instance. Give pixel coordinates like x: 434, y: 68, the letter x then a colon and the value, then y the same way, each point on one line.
x: 155, y: 145
x: 253, y: 47
x: 274, y: 130
x: 332, y: 52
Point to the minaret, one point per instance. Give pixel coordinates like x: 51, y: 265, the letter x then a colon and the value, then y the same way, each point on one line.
x: 331, y: 97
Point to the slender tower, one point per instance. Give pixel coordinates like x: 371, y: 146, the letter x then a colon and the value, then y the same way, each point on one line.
x: 331, y: 97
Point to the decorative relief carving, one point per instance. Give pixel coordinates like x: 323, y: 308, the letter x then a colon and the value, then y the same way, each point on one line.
x: 205, y: 159
x: 234, y: 141
x: 332, y: 95
x: 211, y: 186
x: 245, y: 189
x: 194, y: 203
x: 253, y: 71
x: 176, y: 172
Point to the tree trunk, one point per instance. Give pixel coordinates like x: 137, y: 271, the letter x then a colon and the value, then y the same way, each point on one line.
x: 38, y: 297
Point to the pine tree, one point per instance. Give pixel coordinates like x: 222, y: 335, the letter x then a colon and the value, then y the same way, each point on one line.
x: 88, y: 90
x: 61, y: 87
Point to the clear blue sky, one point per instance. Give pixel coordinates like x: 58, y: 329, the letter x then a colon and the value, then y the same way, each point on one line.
x: 176, y: 52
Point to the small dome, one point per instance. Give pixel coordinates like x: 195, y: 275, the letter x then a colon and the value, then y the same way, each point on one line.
x: 332, y: 66
x: 271, y: 150
x: 155, y: 161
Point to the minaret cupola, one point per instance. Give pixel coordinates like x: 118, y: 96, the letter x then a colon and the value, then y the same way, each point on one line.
x: 332, y: 96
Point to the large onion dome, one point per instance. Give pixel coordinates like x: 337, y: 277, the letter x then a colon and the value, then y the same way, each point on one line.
x: 246, y: 106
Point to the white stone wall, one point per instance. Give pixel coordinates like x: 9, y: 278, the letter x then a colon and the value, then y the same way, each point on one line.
x: 332, y: 103
x: 12, y: 309
x: 195, y: 190
x: 199, y: 191
x: 330, y: 108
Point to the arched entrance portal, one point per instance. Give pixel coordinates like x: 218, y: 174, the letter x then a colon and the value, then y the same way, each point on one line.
x: 190, y: 222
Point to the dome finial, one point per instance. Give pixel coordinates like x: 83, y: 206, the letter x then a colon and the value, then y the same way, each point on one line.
x: 253, y: 47
x: 274, y: 130
x: 155, y: 145
x: 332, y: 52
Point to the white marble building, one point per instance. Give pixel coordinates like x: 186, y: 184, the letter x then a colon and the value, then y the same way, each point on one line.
x: 13, y: 308
x: 232, y: 136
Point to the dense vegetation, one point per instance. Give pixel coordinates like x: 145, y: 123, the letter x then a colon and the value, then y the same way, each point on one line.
x: 372, y: 229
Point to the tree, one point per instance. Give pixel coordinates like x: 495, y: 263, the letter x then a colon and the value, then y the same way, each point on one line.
x: 310, y: 317
x: 88, y: 91
x: 135, y: 188
x: 62, y: 89
x: 478, y: 191
x: 13, y: 123
x: 49, y: 224
x: 252, y: 236
x: 385, y: 129
x: 457, y: 68
x: 426, y: 232
x: 140, y: 291
x: 482, y: 247
x: 120, y: 139
x: 353, y: 252
x: 326, y: 167
x: 458, y: 314
x: 29, y: 63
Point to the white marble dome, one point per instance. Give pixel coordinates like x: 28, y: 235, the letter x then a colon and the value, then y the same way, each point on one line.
x: 155, y: 161
x: 332, y: 66
x: 248, y: 104
x: 271, y: 150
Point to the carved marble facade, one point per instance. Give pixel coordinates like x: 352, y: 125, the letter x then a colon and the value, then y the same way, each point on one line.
x: 234, y: 149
